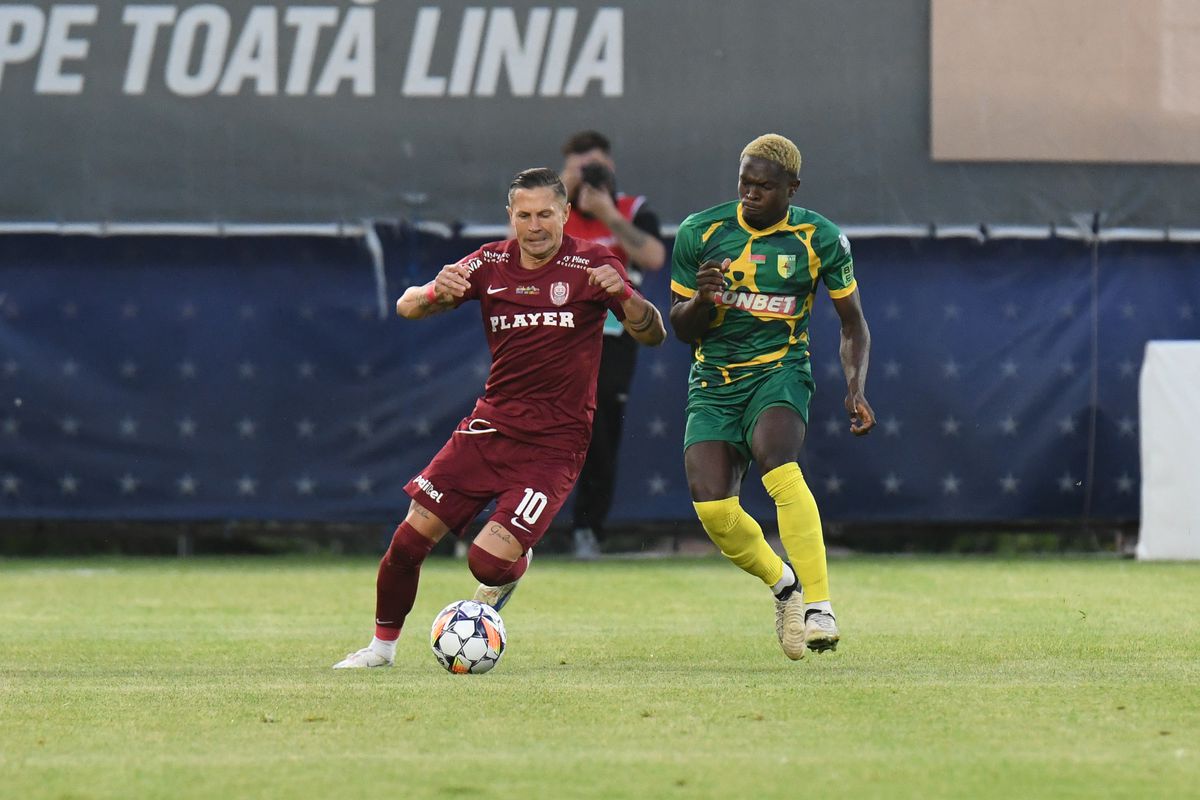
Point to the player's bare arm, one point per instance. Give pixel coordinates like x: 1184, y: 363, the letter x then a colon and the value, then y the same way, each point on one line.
x: 438, y: 295
x: 855, y: 351
x: 690, y: 315
x: 646, y: 251
x: 642, y: 320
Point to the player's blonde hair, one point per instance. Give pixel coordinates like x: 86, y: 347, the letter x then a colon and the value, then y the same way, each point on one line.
x: 779, y: 149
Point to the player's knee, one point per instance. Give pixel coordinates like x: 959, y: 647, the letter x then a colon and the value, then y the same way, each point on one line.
x: 718, y: 517
x: 489, y: 569
x: 408, y: 549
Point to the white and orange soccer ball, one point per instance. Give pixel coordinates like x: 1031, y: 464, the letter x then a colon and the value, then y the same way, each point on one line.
x: 467, y: 637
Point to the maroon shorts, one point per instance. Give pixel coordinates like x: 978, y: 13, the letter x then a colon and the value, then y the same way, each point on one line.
x: 529, y: 482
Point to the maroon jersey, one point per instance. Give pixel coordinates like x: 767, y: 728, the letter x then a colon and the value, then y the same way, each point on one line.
x: 544, y: 328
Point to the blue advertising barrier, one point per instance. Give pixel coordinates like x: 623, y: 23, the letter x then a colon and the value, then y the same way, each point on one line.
x: 265, y: 378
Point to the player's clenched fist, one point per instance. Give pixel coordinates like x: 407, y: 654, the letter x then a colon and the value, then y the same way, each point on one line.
x: 451, y: 283
x: 710, y: 280
x: 608, y: 279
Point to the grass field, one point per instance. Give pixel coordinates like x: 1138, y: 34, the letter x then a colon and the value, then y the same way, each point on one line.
x: 969, y: 678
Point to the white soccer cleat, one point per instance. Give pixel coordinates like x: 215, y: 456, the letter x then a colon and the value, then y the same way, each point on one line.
x: 789, y: 623
x: 497, y: 596
x: 362, y: 659
x: 820, y: 631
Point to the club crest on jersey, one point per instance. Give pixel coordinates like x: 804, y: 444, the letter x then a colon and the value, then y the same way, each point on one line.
x: 787, y: 266
x: 558, y: 292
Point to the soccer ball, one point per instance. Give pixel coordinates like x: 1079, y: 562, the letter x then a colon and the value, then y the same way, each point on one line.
x: 467, y: 637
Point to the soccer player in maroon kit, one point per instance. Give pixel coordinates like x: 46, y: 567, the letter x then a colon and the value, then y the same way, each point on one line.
x: 543, y: 297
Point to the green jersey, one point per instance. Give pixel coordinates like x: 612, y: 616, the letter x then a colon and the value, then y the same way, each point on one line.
x: 760, y: 320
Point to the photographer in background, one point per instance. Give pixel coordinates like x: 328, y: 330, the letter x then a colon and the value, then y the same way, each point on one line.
x: 625, y: 225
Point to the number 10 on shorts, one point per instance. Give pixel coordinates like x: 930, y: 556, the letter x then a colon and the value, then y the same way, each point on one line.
x: 531, y: 506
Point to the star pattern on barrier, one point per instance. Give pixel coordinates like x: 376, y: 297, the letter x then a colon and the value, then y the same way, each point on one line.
x: 891, y: 426
x: 967, y: 416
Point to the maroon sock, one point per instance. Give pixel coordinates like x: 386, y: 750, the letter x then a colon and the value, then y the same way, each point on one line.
x: 396, y: 586
x: 492, y: 570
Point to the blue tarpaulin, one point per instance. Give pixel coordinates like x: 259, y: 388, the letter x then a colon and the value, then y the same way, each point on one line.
x: 214, y: 378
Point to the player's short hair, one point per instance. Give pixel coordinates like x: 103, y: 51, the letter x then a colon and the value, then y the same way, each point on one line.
x: 586, y: 141
x: 536, y: 178
x: 773, y: 147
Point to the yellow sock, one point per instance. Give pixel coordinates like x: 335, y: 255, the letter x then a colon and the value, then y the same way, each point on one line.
x: 800, y: 529
x: 740, y: 538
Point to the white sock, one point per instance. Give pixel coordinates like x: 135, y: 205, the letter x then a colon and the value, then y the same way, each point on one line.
x: 385, y: 649
x: 787, y: 579
x: 820, y: 605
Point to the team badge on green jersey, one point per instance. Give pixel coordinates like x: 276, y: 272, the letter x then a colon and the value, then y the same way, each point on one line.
x: 787, y: 266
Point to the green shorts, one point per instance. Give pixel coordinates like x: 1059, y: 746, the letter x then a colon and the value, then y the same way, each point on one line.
x: 728, y: 412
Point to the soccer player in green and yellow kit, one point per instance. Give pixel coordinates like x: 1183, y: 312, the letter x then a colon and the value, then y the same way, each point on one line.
x: 744, y: 276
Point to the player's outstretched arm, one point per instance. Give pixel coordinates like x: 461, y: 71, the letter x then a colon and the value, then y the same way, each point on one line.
x: 642, y: 320
x: 855, y: 350
x: 690, y: 315
x: 438, y: 295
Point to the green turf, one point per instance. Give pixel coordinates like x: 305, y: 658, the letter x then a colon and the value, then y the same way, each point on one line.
x: 649, y: 679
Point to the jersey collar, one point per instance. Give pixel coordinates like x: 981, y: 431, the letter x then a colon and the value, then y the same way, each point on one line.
x: 782, y: 225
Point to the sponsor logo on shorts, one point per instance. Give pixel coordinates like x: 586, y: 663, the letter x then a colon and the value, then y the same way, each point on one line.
x: 519, y: 525
x: 428, y: 488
